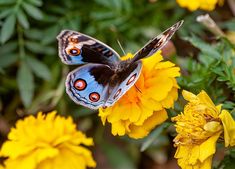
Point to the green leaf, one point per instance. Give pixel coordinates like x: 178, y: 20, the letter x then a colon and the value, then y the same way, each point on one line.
x: 5, y: 12
x: 8, y: 48
x: 117, y: 157
x: 39, y: 48
x: 153, y: 136
x: 6, y: 60
x: 35, y: 2
x: 50, y: 34
x: 39, y: 68
x: 8, y: 28
x: 25, y: 82
x: 33, y: 11
x: 22, y: 18
x: 7, y: 2
x: 204, y: 47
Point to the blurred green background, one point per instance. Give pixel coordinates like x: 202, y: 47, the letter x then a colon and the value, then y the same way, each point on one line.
x: 32, y: 75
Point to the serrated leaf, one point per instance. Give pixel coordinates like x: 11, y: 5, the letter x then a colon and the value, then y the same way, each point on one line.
x: 8, y: 28
x: 25, y: 83
x: 117, y: 157
x: 50, y: 34
x: 153, y: 136
x: 39, y: 68
x: 8, y: 48
x: 39, y: 48
x: 22, y: 18
x: 35, y: 2
x: 34, y: 34
x: 5, y: 12
x: 6, y: 60
x: 7, y: 2
x: 204, y: 47
x: 33, y: 11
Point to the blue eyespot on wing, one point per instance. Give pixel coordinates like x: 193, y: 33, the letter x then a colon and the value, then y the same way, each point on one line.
x: 77, y: 48
x: 125, y: 81
x: 157, y: 43
x: 88, y: 85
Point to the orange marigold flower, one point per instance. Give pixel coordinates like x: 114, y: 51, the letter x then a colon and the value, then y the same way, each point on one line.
x: 46, y: 142
x: 143, y: 106
x: 198, y: 128
x: 208, y: 5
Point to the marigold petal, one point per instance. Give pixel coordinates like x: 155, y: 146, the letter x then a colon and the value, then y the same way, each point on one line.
x: 25, y: 162
x: 159, y: 88
x: 150, y: 62
x: 14, y: 149
x: 168, y: 102
x: 208, y: 147
x: 157, y: 118
x: 118, y: 128
x: 188, y: 95
x: 206, y: 99
x: 229, y: 128
x: 138, y: 132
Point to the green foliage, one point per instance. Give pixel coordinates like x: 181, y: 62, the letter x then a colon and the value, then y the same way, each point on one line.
x: 32, y: 76
x: 213, y: 70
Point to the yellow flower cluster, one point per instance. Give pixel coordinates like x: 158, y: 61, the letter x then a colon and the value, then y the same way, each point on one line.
x: 143, y: 106
x: 193, y: 5
x: 46, y: 142
x: 198, y: 128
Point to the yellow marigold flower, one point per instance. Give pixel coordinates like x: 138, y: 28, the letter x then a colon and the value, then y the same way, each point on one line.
x: 198, y: 128
x: 193, y: 5
x: 143, y: 106
x: 46, y: 142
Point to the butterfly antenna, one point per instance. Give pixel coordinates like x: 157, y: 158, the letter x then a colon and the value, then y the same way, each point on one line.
x: 121, y: 47
x: 138, y: 88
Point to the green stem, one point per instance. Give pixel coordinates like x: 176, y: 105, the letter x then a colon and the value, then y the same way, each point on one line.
x: 21, y: 42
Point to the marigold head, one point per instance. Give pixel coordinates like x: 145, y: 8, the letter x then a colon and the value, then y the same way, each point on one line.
x: 198, y: 128
x: 46, y: 141
x: 193, y: 5
x: 199, y: 121
x: 143, y: 106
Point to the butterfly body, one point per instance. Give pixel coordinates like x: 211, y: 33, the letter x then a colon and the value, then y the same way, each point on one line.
x: 103, y: 77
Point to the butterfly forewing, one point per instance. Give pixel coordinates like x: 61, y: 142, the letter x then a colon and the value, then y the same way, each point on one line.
x: 77, y: 48
x: 157, y: 43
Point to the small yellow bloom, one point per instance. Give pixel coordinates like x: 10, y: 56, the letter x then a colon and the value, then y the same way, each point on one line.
x: 208, y: 5
x: 46, y: 142
x: 143, y: 106
x: 198, y: 128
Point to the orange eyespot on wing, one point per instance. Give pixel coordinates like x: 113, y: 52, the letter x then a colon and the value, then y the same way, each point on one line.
x: 117, y: 93
x: 73, y: 40
x: 73, y: 51
x: 132, y: 78
x: 94, y: 96
x: 80, y: 84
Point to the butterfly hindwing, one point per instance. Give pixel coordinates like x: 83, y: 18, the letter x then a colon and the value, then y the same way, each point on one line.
x: 125, y: 81
x: 157, y: 43
x: 88, y: 85
x: 77, y: 48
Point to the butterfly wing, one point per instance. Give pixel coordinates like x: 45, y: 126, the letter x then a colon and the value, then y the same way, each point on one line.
x: 88, y: 85
x: 77, y: 48
x: 123, y: 82
x: 157, y: 43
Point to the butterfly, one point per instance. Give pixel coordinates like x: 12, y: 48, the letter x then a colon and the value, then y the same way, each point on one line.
x: 103, y: 78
